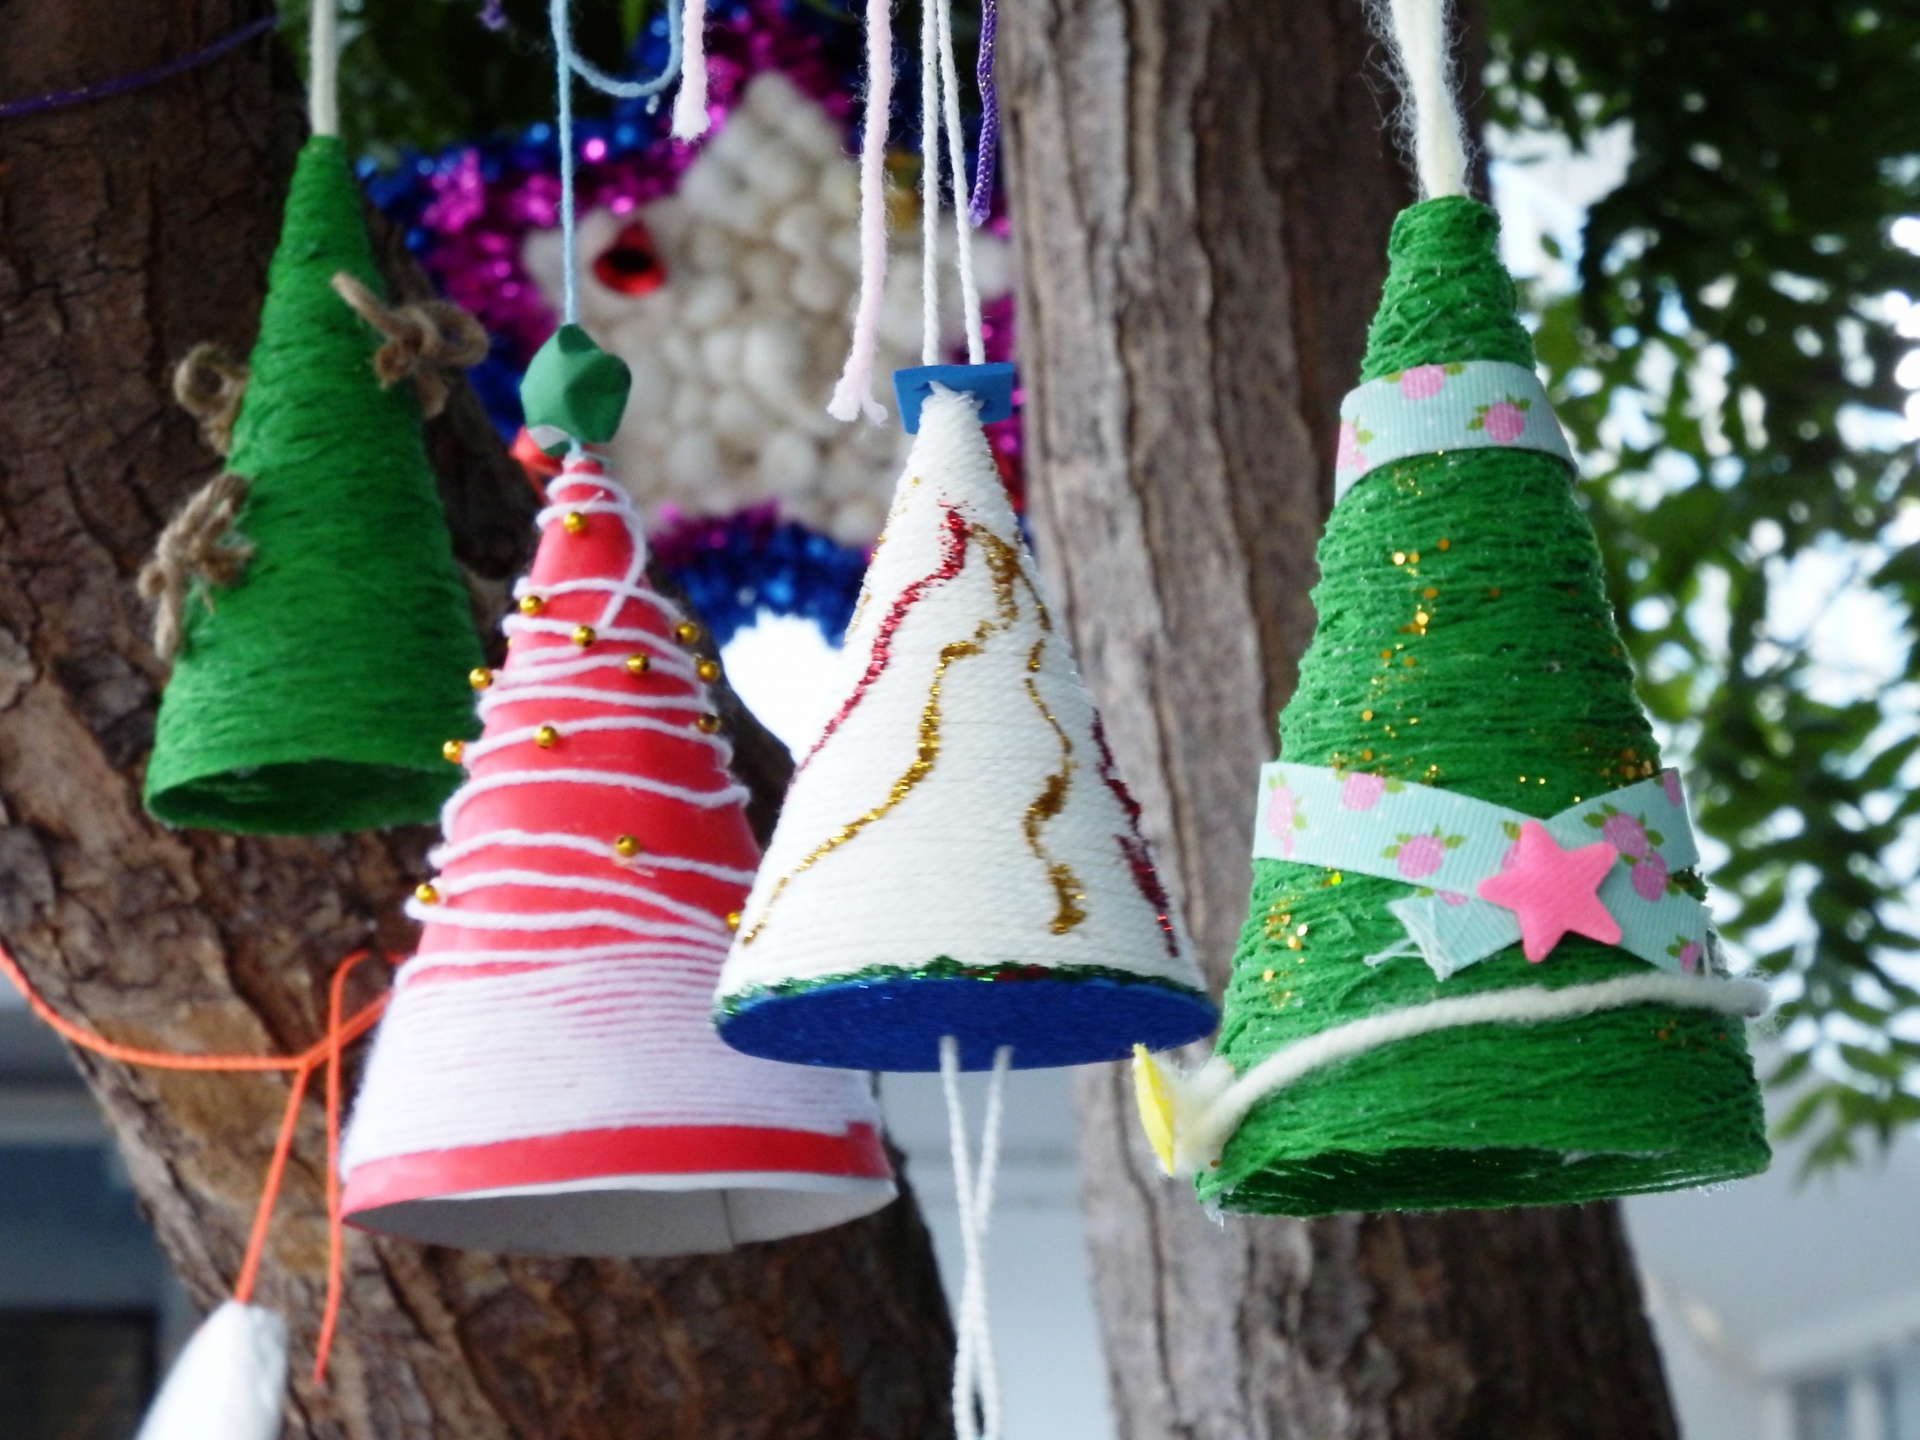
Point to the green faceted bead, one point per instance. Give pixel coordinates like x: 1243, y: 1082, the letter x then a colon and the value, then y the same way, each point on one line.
x: 575, y: 388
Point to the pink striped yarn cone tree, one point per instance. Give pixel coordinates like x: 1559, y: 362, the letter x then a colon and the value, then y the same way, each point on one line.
x: 548, y: 1079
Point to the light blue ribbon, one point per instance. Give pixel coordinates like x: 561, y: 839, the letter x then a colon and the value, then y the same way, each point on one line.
x: 1447, y: 843
x: 1431, y: 409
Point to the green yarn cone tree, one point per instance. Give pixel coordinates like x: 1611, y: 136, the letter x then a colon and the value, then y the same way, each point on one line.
x: 1464, y: 643
x: 316, y: 692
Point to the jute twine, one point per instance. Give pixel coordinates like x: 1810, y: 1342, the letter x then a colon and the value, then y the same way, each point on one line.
x: 426, y: 342
x: 1512, y: 688
x: 194, y: 546
x: 209, y: 385
x: 318, y: 692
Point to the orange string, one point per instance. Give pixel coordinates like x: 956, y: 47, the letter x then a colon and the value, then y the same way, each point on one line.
x: 327, y: 1051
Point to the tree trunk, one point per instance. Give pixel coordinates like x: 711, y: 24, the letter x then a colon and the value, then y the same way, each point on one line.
x: 133, y: 227
x: 1204, y: 190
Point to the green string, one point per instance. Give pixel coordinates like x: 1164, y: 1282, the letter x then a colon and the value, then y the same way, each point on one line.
x: 316, y: 694
x: 1464, y: 641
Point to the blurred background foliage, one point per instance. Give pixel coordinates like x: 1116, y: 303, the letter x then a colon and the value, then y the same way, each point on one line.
x: 1728, y: 361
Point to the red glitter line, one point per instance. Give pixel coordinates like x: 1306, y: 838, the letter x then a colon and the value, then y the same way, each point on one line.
x: 953, y: 557
x: 1133, y: 846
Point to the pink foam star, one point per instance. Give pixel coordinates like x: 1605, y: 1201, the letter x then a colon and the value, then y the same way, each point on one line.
x: 1553, y: 891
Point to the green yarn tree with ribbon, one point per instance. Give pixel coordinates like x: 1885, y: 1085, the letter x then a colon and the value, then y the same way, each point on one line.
x: 315, y: 693
x: 1464, y: 643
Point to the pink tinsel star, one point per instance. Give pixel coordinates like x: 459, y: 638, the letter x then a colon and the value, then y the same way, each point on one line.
x: 1553, y: 891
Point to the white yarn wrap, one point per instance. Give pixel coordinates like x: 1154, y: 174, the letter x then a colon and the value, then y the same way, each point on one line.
x: 948, y: 870
x: 1208, y: 1104
x: 1418, y: 32
x: 229, y: 1382
x: 608, y: 1027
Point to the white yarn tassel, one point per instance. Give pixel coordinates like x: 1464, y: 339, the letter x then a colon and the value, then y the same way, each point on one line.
x: 323, y: 69
x: 228, y: 1384
x: 974, y: 1372
x: 853, y: 395
x: 1418, y: 35
x: 956, y: 154
x: 690, y: 119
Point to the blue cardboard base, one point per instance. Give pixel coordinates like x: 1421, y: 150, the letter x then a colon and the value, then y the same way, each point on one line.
x: 896, y: 1023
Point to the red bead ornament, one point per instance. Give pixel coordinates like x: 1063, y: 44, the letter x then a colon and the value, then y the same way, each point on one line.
x: 632, y: 263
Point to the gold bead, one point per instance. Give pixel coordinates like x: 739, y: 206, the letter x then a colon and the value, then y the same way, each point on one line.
x: 575, y: 522
x: 546, y: 737
x: 708, y: 670
x: 1399, y: 557
x: 531, y: 604
x: 708, y: 724
x: 638, y: 664
x: 626, y: 847
x: 733, y: 920
x: 1445, y: 544
x: 1429, y: 593
x: 1366, y: 714
x: 453, y: 750
x: 583, y: 636
x: 686, y: 632
x: 426, y: 894
x: 480, y: 677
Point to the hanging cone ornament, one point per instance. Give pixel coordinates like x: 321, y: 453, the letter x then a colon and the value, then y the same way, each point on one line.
x: 1476, y: 969
x: 229, y: 1382
x: 956, y: 855
x: 312, y: 694
x: 547, y: 1079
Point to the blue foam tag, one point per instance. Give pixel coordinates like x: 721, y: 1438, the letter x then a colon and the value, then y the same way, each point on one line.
x: 991, y: 384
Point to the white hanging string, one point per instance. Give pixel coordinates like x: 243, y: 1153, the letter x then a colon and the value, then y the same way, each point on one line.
x: 957, y: 162
x: 1418, y: 34
x: 690, y: 118
x: 974, y: 1371
x: 323, y: 69
x: 853, y: 393
x: 929, y: 185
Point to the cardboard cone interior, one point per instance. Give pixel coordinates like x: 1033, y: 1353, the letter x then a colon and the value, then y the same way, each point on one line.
x: 547, y: 1079
x: 313, y: 694
x: 956, y: 855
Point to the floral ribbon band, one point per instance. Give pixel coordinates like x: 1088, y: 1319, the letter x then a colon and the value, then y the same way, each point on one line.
x: 1490, y: 877
x: 1431, y: 409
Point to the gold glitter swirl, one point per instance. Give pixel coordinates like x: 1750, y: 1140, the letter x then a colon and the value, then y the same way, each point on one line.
x: 1005, y: 570
x: 1050, y: 802
x: 922, y: 766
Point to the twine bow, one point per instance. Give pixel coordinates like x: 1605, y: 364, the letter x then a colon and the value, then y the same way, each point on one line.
x: 209, y: 384
x: 194, y: 544
x: 425, y: 341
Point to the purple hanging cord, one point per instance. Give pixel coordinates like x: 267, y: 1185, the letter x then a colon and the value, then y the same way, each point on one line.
x: 14, y: 109
x: 980, y: 198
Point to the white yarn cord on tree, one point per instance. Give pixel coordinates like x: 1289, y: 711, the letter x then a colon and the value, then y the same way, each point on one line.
x: 1418, y: 34
x: 323, y: 68
x: 957, y: 161
x: 974, y: 1372
x: 227, y: 1384
x: 690, y: 118
x: 853, y: 395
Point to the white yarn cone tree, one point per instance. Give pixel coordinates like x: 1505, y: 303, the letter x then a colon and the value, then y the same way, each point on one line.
x: 956, y: 855
x: 547, y: 1079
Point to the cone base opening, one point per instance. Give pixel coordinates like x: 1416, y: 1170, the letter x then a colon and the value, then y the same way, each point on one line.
x: 896, y: 1023
x: 632, y: 1215
x: 307, y: 797
x: 1447, y: 1179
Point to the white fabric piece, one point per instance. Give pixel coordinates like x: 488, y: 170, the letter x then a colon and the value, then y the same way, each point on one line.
x: 974, y: 1370
x: 949, y: 868
x: 228, y: 1383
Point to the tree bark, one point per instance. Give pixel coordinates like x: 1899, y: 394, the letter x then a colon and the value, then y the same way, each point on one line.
x: 1204, y: 190
x: 131, y: 228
